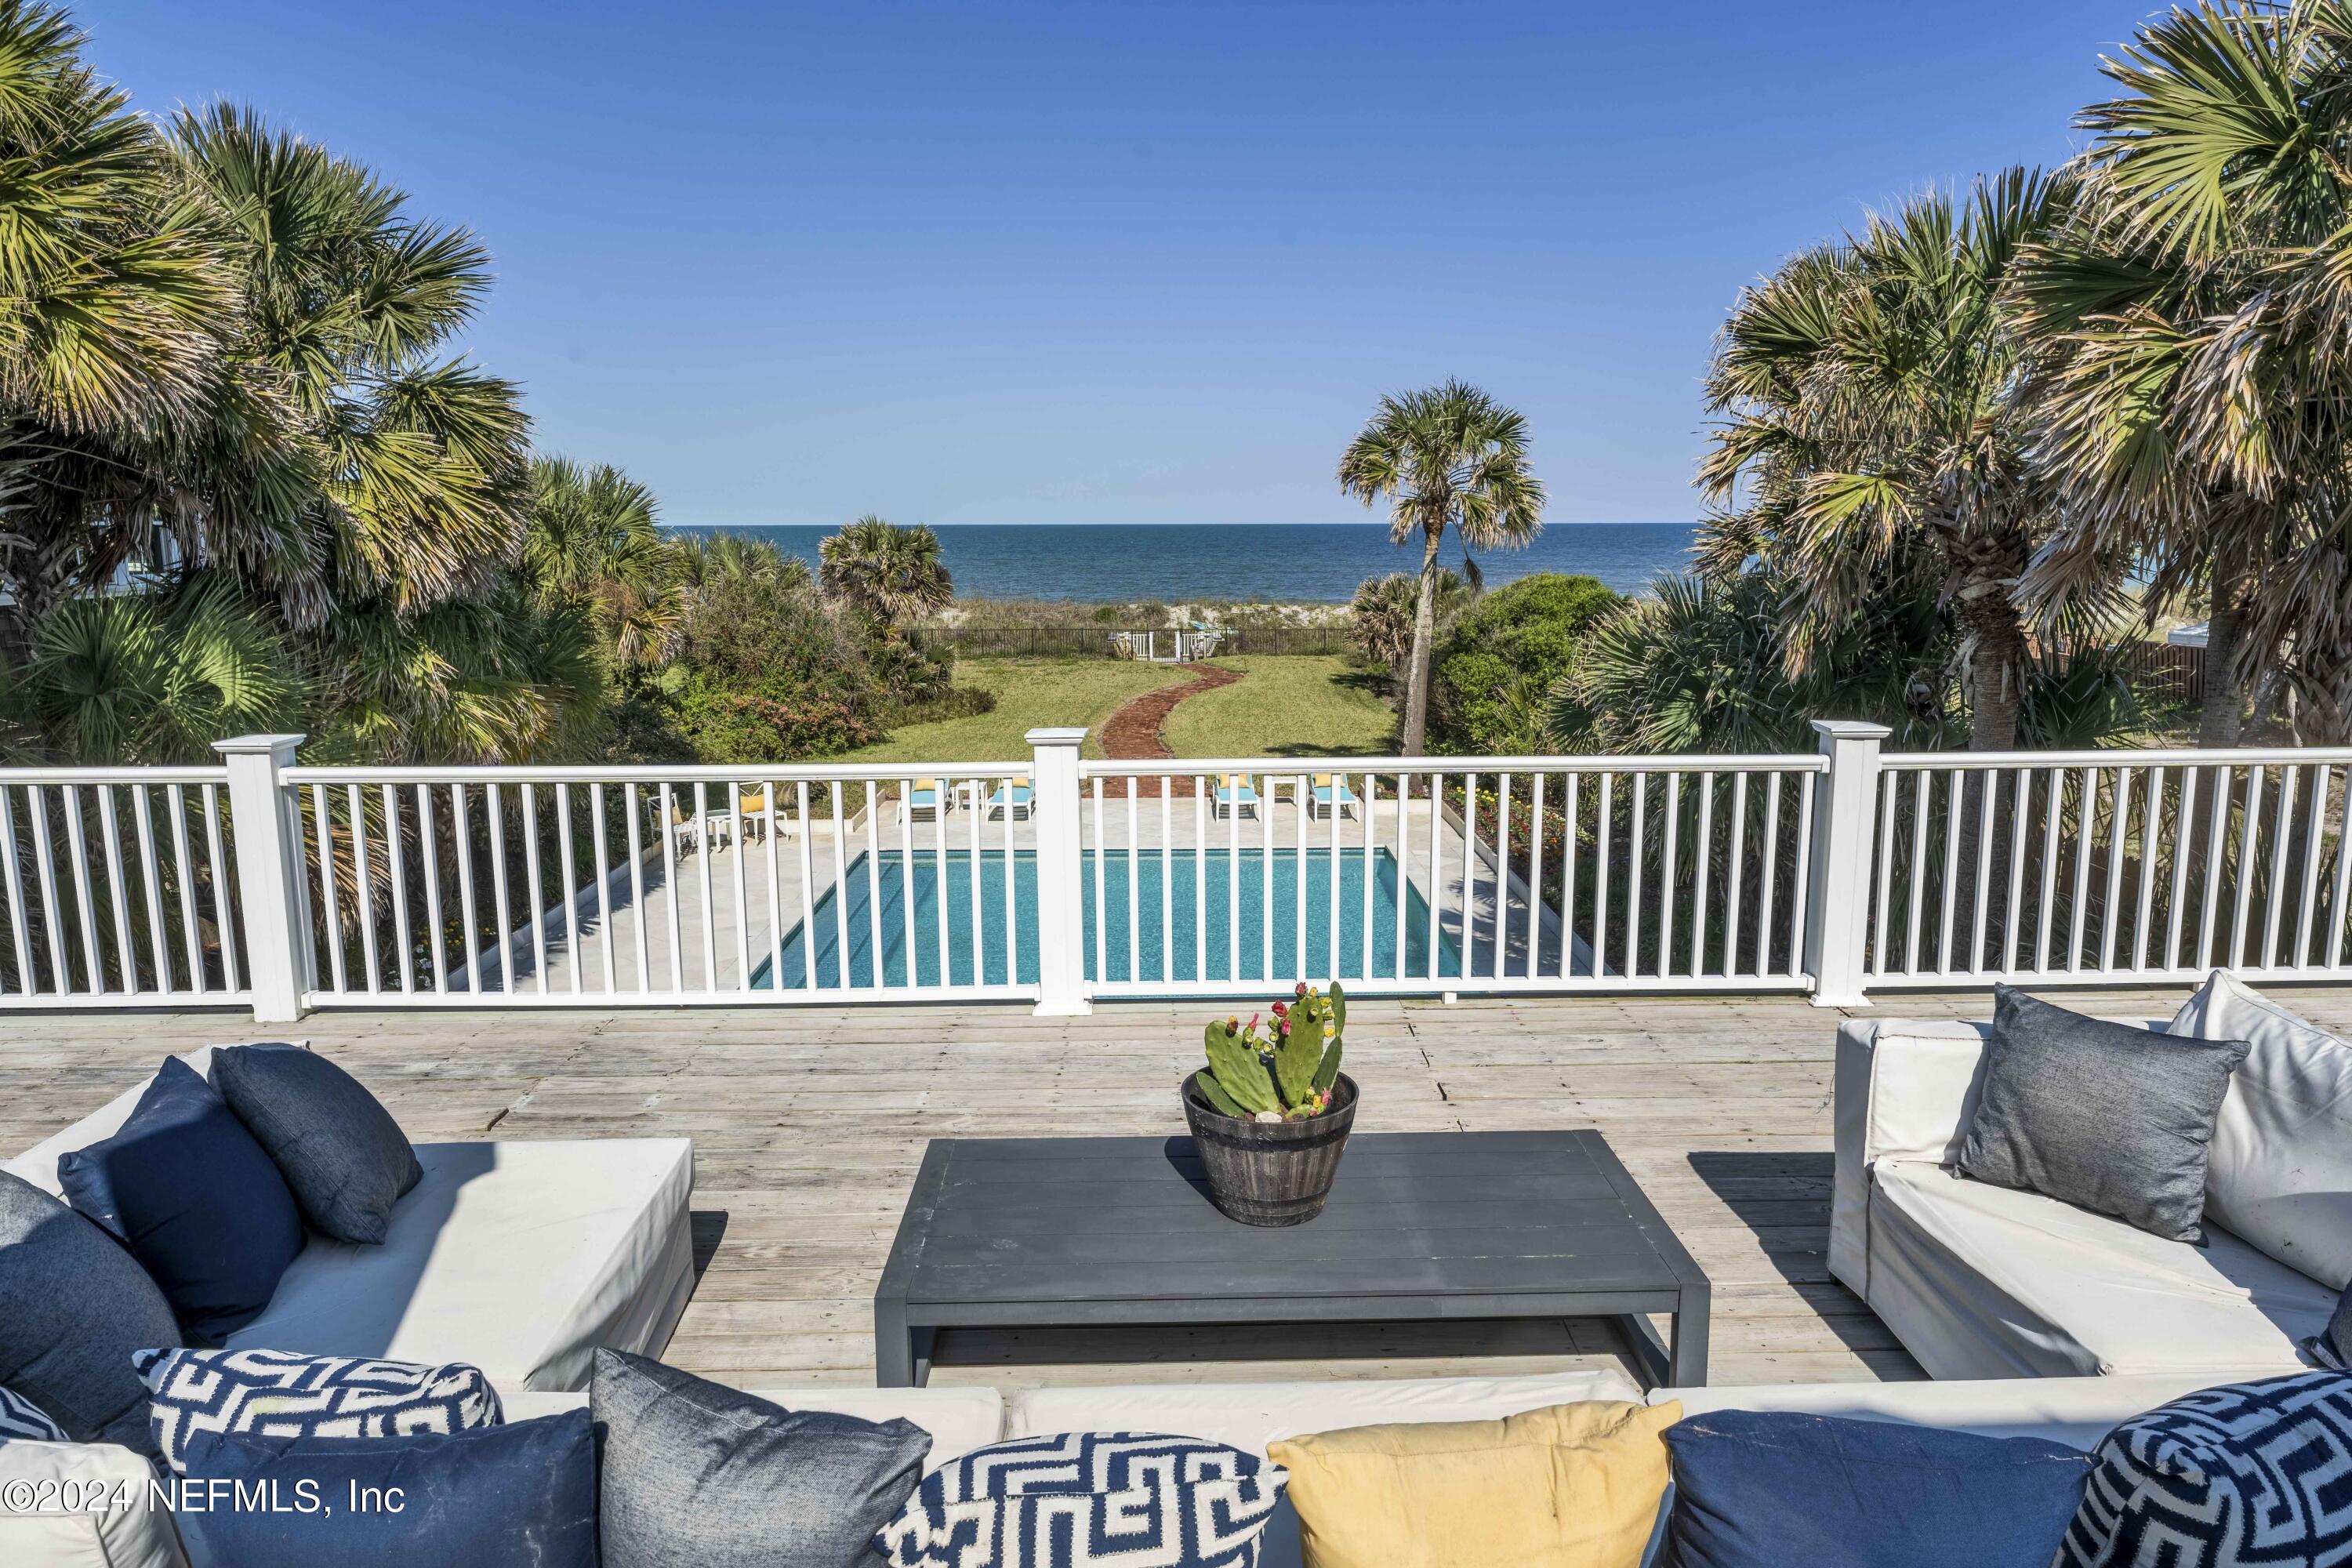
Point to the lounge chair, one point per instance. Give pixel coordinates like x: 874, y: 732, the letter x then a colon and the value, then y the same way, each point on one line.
x: 925, y: 801
x: 1331, y: 794
x: 1020, y: 803
x: 1236, y: 792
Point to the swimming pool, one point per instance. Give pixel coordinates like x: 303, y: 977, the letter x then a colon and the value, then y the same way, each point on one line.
x: 1210, y: 941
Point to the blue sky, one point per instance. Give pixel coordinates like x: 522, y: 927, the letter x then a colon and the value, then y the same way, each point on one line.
x: 1124, y: 262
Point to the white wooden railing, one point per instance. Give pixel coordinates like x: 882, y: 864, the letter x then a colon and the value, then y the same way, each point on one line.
x: 1058, y: 880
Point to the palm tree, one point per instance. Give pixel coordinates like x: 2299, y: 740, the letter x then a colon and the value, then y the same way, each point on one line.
x: 1871, y: 427
x: 1381, y: 616
x: 1447, y: 456
x: 2193, y: 344
x: 595, y: 536
x: 895, y: 574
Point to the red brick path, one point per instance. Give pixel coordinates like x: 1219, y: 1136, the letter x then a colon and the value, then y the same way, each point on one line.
x: 1132, y: 733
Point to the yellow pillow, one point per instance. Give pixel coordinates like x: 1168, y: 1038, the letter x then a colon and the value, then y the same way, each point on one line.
x: 1570, y: 1486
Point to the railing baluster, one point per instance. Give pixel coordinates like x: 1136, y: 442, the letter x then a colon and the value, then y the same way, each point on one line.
x: 494, y: 808
x: 1266, y: 876
x: 536, y: 881
x: 2315, y: 845
x: 1602, y: 826
x: 1737, y: 875
x: 768, y: 789
x: 2248, y: 847
x: 2282, y: 836
x: 1201, y: 787
x: 1770, y: 876
x: 84, y: 902
x: 1167, y: 877
x: 398, y: 873
x: 109, y: 827
x: 1981, y: 893
x: 19, y: 936
x: 1702, y: 874
x: 2118, y: 815
x: 333, y: 925
x: 462, y: 840
x: 149, y: 881
x: 942, y: 790
x: 1299, y: 859
x: 1436, y: 870
x: 1339, y: 783
x: 1012, y: 900
x: 2217, y: 811
x: 1918, y: 868
x: 1403, y: 859
x: 1134, y: 887
x: 2340, y: 911
x: 1097, y: 870
x: 1367, y: 813
x: 1637, y: 832
x: 1802, y: 864
x: 633, y: 806
x: 809, y: 935
x: 2055, y: 802
x: 175, y: 802
x: 2184, y: 819
x: 841, y: 884
x: 37, y: 809
x: 2151, y: 824
x: 1669, y: 874
x: 573, y: 959
x: 2013, y: 917
x: 596, y: 831
x: 225, y: 912
x: 1536, y: 906
x: 1568, y: 876
x: 1949, y: 893
x: 743, y: 893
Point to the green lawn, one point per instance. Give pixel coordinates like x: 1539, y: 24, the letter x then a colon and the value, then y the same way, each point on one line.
x: 1284, y: 706
x: 1030, y: 692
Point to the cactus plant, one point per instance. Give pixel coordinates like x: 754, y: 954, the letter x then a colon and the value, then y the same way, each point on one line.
x: 1284, y: 1072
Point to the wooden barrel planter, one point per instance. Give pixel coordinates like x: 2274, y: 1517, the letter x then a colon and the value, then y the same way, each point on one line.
x: 1270, y: 1173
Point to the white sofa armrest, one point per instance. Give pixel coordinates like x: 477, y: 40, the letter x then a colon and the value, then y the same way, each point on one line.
x: 1904, y: 1090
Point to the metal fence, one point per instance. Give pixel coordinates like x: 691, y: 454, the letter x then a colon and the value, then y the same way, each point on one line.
x: 1096, y: 641
x: 1056, y: 880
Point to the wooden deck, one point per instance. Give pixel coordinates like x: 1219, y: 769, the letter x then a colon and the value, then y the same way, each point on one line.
x: 808, y: 1124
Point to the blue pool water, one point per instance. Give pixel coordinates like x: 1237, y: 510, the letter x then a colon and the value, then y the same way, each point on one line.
x: 822, y: 954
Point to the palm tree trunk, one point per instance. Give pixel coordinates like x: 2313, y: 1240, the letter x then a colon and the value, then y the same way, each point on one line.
x: 2221, y: 713
x: 1424, y: 628
x: 1997, y: 661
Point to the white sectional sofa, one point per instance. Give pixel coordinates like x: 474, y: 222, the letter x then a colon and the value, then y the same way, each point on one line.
x: 518, y: 1258
x: 1980, y: 1281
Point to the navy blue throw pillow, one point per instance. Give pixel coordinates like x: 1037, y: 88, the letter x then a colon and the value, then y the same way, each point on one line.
x: 341, y: 1153
x: 184, y: 1186
x: 1766, y: 1490
x: 489, y: 1496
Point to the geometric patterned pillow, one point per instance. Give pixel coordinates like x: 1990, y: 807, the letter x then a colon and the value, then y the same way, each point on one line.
x: 279, y: 1395
x: 1090, y: 1500
x: 2252, y: 1472
x: 21, y: 1418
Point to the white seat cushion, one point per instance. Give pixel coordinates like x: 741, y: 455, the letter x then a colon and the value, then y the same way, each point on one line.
x: 520, y: 1259
x: 91, y: 1508
x: 959, y: 1419
x: 2280, y: 1172
x: 1249, y: 1416
x: 2075, y: 1411
x: 1986, y: 1281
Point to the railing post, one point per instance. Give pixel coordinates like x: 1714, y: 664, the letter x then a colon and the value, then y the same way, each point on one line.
x: 1061, y: 877
x: 1837, y: 895
x: 272, y: 884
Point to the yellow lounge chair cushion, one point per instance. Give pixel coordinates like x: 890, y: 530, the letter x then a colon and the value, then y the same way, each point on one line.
x: 1569, y: 1486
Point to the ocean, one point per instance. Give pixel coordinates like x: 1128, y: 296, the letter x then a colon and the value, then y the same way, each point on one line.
x: 1317, y: 562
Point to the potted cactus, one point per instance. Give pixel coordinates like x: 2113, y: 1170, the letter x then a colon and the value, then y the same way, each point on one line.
x: 1270, y: 1112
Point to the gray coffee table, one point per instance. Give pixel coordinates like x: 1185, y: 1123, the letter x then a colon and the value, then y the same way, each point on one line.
x: 1063, y: 1232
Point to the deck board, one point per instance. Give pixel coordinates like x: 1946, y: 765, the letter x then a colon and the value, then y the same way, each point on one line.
x: 809, y: 1123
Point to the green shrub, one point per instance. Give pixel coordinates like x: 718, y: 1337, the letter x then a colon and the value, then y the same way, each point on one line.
x: 1491, y: 673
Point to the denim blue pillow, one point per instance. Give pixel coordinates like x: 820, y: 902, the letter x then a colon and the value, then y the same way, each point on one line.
x: 74, y: 1309
x: 341, y: 1152
x: 184, y: 1186
x: 695, y: 1475
x: 491, y: 1496
x: 1758, y: 1489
